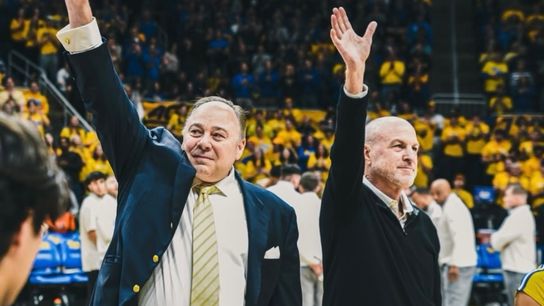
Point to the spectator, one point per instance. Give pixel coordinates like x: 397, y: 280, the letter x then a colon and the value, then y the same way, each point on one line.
x: 35, y: 94
x: 269, y: 83
x: 35, y: 115
x: 515, y: 239
x: 461, y: 192
x: 423, y: 198
x: 242, y: 85
x: 476, y: 134
x: 494, y: 72
x: 48, y: 46
x: 309, y: 82
x: 90, y: 260
x: 309, y: 240
x: 457, y: 245
x: 453, y: 140
x: 11, y: 93
x: 392, y: 73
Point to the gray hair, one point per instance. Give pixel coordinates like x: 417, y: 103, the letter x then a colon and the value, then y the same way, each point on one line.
x: 517, y: 190
x: 309, y: 181
x: 241, y: 114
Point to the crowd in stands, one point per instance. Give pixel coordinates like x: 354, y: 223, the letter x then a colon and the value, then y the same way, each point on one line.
x: 278, y: 61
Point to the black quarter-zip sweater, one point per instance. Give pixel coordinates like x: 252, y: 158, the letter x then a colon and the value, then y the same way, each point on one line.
x: 368, y: 258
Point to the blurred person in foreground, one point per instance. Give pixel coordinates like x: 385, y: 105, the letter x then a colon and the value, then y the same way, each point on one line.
x: 32, y: 190
x: 378, y: 249
x: 531, y: 290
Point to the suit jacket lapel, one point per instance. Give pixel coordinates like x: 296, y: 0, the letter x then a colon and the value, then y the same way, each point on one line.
x: 257, y: 227
x: 185, y: 174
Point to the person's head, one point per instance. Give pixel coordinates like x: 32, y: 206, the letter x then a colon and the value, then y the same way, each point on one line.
x: 291, y: 173
x: 514, y: 196
x: 32, y: 106
x: 214, y: 137
x: 459, y: 181
x: 74, y: 121
x: 112, y: 186
x: 422, y: 198
x: 32, y: 189
x: 9, y: 83
x: 440, y: 190
x: 390, y: 151
x: 96, y: 183
x: 309, y: 182
x: 34, y: 87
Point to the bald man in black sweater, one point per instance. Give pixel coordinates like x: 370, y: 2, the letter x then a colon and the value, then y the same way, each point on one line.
x: 378, y: 249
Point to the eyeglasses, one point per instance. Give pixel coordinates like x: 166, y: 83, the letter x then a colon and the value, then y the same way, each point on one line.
x: 44, y: 230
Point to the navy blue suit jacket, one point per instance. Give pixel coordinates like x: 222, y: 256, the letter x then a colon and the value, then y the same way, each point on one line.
x: 155, y: 178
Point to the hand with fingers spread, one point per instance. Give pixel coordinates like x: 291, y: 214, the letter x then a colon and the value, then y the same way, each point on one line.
x: 353, y: 48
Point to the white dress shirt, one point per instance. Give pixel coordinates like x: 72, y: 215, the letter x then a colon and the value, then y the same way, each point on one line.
x: 170, y: 282
x: 309, y: 238
x: 434, y: 211
x: 406, y: 205
x: 286, y: 191
x: 307, y: 207
x: 105, y: 215
x: 456, y: 234
x: 515, y: 239
x: 87, y: 222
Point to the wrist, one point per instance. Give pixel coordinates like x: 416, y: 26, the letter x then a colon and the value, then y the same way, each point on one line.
x: 354, y: 80
x: 79, y: 15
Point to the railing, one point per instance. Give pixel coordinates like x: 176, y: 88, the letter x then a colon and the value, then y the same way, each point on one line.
x: 467, y: 104
x: 22, y: 65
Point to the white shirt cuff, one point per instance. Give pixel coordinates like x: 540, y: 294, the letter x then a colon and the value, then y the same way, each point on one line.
x: 360, y: 95
x: 80, y: 39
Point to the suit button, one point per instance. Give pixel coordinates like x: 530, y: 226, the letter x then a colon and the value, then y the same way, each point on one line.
x: 155, y: 258
x: 171, y: 224
x: 136, y: 288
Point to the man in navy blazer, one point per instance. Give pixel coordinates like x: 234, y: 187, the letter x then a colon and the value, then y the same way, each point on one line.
x: 156, y: 173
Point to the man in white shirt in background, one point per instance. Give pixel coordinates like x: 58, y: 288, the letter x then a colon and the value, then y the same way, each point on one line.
x: 90, y: 262
x: 424, y: 200
x: 515, y: 239
x: 106, y: 211
x: 309, y: 240
x: 457, y: 256
x: 286, y: 187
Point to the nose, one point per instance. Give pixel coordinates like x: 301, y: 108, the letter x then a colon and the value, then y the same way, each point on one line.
x: 410, y: 156
x: 204, y: 143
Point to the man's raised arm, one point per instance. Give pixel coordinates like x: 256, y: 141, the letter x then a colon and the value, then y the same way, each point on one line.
x: 347, y: 151
x: 121, y: 133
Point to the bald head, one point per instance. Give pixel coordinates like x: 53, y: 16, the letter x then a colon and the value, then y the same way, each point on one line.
x: 381, y: 128
x: 440, y: 189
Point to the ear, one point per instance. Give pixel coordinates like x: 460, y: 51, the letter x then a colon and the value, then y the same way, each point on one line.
x: 366, y: 154
x: 240, y: 148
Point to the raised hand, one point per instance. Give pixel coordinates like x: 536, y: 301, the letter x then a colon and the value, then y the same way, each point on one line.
x: 79, y: 12
x: 353, y: 48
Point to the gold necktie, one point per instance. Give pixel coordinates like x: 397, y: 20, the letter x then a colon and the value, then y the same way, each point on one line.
x: 205, y: 263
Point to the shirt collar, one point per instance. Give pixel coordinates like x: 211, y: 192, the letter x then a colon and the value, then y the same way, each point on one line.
x: 227, y: 186
x: 406, y: 205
